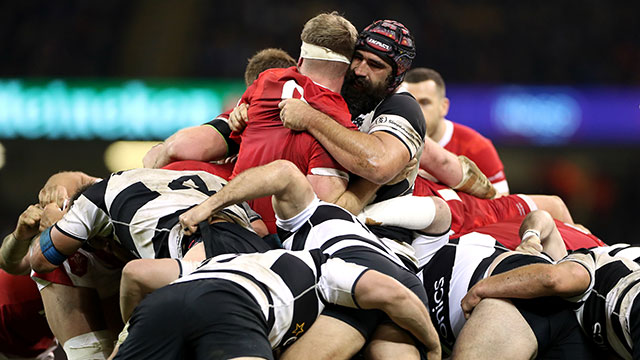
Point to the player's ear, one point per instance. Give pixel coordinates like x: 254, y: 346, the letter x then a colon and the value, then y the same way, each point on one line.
x: 444, y: 106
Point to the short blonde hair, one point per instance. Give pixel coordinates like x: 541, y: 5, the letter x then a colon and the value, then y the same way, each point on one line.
x: 333, y: 31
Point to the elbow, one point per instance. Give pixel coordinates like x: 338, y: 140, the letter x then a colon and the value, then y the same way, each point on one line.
x: 131, y: 279
x: 374, y: 171
x: 442, y: 219
x: 174, y: 150
x: 40, y: 265
x: 560, y: 283
x: 12, y: 268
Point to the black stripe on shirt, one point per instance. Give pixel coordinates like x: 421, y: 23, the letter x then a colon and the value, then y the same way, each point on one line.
x: 327, y: 212
x: 125, y: 206
x: 298, y: 277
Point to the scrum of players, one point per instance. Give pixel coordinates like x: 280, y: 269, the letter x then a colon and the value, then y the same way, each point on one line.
x: 333, y: 214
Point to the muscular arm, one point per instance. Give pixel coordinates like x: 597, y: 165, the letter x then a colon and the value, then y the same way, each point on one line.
x: 377, y: 157
x: 14, y: 248
x: 203, y: 143
x: 375, y: 290
x: 64, y: 244
x: 291, y: 192
x: 140, y: 278
x: 565, y: 279
x: 359, y: 193
x: 440, y: 163
x: 428, y: 214
x: 550, y: 239
x: 328, y: 188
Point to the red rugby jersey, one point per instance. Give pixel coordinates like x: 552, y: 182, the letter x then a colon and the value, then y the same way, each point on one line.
x: 265, y: 139
x: 463, y: 140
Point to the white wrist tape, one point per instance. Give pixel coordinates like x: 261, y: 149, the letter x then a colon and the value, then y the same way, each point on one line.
x: 408, y: 212
x: 96, y: 345
x: 529, y: 233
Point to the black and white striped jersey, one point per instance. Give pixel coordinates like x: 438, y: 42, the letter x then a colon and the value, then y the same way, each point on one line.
x: 450, y: 273
x: 399, y: 114
x: 330, y: 228
x: 140, y: 208
x: 627, y: 251
x: 606, y: 306
x: 291, y: 287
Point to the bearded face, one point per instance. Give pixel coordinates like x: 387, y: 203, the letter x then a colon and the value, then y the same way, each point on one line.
x: 361, y: 94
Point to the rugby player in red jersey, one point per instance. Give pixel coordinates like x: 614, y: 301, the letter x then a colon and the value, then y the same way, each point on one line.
x: 429, y: 89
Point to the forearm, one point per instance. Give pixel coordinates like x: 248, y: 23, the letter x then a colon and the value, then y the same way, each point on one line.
x: 360, y: 153
x: 281, y: 178
x: 202, y: 143
x: 441, y: 163
x: 540, y: 221
x: 375, y: 290
x: 525, y: 282
x: 12, y: 255
x: 410, y: 314
x: 359, y: 193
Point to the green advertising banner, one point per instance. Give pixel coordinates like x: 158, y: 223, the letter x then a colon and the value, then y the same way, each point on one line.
x: 110, y: 109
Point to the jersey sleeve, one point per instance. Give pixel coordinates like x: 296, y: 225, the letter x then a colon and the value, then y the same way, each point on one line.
x: 400, y: 116
x: 338, y: 281
x: 221, y: 125
x: 253, y: 216
x: 588, y: 261
x: 294, y: 223
x: 84, y: 221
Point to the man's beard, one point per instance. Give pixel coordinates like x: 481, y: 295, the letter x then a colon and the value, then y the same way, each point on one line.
x: 361, y: 95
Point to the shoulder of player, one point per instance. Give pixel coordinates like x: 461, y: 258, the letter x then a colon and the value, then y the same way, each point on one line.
x: 404, y: 105
x: 468, y: 132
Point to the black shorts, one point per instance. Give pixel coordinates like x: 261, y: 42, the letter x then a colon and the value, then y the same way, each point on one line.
x: 551, y: 318
x: 200, y: 319
x: 228, y: 238
x: 366, y: 321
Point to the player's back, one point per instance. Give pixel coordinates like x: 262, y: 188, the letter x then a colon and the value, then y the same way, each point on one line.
x: 291, y: 287
x: 142, y: 207
x: 265, y: 139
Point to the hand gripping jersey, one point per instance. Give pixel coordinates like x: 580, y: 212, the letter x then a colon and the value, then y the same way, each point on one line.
x: 463, y: 140
x: 505, y: 233
x: 608, y: 311
x: 290, y: 287
x: 140, y: 207
x: 265, y: 139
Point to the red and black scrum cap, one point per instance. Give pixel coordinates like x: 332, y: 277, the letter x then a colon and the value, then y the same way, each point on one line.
x: 392, y: 42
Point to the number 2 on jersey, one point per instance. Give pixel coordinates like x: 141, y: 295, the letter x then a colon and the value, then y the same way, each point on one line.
x: 196, y: 183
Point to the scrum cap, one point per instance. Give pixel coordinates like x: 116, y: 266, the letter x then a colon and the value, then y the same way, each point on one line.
x: 392, y: 42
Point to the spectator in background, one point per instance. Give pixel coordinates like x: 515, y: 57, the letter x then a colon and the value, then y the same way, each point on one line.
x: 428, y: 87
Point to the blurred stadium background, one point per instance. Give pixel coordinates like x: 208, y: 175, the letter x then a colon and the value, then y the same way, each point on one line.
x: 555, y: 85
